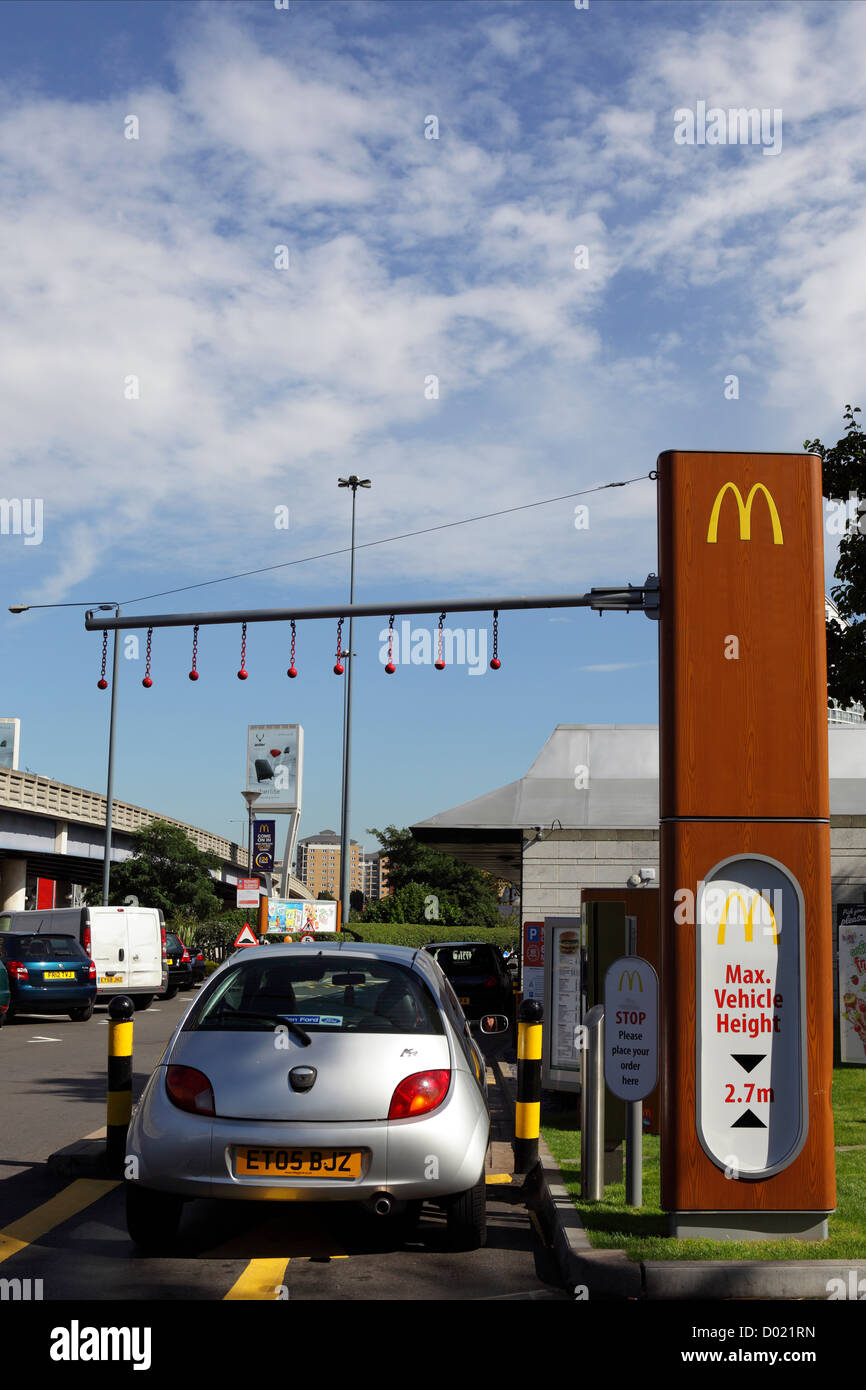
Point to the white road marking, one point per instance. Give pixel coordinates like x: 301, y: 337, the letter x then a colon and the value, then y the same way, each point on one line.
x: 37, y: 1037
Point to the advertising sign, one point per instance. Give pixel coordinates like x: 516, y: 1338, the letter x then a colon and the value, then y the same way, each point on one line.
x: 631, y: 1020
x: 533, y: 961
x: 852, y: 983
x: 248, y: 892
x: 751, y: 1064
x: 563, y: 1012
x: 9, y: 733
x: 264, y: 835
x: 293, y: 916
x: 275, y: 754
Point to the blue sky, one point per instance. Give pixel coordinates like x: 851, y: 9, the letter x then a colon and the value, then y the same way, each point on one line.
x: 154, y: 258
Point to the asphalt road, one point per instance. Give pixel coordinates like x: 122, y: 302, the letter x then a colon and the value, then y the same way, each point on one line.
x: 71, y: 1234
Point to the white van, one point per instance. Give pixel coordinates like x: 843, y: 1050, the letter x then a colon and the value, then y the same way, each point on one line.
x: 126, y: 943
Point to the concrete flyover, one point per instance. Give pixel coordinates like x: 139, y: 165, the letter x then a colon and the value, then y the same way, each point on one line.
x: 53, y: 831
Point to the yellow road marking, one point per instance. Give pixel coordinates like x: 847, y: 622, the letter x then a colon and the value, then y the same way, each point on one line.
x: 38, y: 1222
x: 497, y: 1177
x: 259, y: 1281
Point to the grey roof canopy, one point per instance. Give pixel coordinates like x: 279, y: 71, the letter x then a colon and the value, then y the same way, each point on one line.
x: 598, y: 777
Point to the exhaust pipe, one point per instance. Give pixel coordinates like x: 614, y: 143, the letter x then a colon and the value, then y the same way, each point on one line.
x: 382, y: 1205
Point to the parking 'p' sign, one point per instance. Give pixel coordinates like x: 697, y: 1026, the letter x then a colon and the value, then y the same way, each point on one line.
x: 631, y: 1026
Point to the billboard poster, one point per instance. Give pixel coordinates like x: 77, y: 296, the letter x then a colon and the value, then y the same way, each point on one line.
x: 9, y: 732
x: 264, y: 835
x: 291, y: 916
x: 275, y: 755
x: 852, y: 983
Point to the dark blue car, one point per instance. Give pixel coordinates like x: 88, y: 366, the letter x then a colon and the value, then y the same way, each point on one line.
x: 48, y: 974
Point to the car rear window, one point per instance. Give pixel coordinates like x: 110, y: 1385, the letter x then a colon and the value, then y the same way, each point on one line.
x: 41, y: 947
x: 464, y: 960
x: 321, y: 994
x: 173, y: 944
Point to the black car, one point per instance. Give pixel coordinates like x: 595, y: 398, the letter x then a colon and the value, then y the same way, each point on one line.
x: 196, y: 965
x: 179, y: 968
x: 478, y: 975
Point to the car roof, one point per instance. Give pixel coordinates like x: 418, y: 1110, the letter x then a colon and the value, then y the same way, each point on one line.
x: 377, y: 950
x: 473, y: 942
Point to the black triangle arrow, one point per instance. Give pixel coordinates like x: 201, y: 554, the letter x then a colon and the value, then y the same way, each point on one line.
x: 748, y: 1120
x: 748, y: 1060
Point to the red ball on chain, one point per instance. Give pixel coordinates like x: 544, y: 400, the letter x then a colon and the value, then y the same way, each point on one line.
x: 147, y: 682
x: 440, y: 665
x: 495, y: 664
x: 390, y: 668
x: 193, y: 675
x: 242, y: 675
x: 338, y: 669
x: 291, y: 673
x: 102, y: 685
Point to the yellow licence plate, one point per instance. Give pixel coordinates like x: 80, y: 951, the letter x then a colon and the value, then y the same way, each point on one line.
x: 111, y: 979
x: 298, y: 1163
x: 59, y: 975
x: 464, y: 999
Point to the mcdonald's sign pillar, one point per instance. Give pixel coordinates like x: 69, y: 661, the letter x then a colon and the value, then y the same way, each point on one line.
x: 746, y: 944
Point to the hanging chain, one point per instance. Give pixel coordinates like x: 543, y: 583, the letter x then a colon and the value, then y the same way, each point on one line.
x: 193, y: 675
x: 291, y: 673
x: 439, y: 663
x: 391, y: 668
x: 243, y: 672
x: 102, y: 683
x: 338, y: 668
x: 495, y: 663
x: 147, y: 682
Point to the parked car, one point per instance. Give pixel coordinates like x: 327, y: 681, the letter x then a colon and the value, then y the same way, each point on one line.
x: 316, y: 1073
x: 478, y: 974
x: 179, y: 968
x: 5, y: 994
x: 126, y: 943
x: 197, y: 966
x: 48, y: 974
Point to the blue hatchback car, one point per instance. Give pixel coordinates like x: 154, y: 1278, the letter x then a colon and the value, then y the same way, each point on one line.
x: 48, y: 974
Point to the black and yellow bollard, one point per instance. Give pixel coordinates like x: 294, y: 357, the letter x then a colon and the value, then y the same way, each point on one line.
x: 527, y: 1119
x: 120, y: 1013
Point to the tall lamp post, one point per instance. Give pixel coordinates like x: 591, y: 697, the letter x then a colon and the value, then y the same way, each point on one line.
x: 250, y: 798
x: 109, y: 791
x: 354, y: 483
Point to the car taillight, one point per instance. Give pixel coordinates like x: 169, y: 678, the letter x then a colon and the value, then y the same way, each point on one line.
x: 419, y: 1093
x: 491, y: 982
x: 18, y: 970
x: 87, y: 940
x: 92, y: 971
x: 189, y: 1089
x: 185, y: 957
x: 164, y: 952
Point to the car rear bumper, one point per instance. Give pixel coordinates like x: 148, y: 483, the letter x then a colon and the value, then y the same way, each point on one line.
x: 414, y: 1159
x: 42, y: 999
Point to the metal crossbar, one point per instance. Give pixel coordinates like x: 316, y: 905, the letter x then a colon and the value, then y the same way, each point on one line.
x: 623, y: 598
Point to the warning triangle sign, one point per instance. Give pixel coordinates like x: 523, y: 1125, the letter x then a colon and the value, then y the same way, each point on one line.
x: 246, y: 936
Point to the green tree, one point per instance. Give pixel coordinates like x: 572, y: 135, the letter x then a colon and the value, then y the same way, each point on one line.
x: 464, y: 895
x: 167, y: 870
x: 844, y: 477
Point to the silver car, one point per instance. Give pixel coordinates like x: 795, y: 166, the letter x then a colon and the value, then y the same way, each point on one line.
x: 314, y: 1073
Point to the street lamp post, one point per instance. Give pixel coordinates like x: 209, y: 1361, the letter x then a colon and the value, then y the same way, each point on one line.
x: 354, y: 483
x: 250, y: 798
x: 109, y: 790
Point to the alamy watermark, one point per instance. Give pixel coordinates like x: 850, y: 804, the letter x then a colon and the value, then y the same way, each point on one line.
x: 22, y: 516
x: 461, y: 646
x: 737, y: 126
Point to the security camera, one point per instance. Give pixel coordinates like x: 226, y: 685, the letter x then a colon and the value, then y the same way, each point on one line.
x: 634, y: 880
x: 538, y: 829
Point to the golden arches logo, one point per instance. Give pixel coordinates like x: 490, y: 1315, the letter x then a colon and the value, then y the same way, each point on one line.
x: 631, y: 975
x: 745, y: 513
x: 748, y: 918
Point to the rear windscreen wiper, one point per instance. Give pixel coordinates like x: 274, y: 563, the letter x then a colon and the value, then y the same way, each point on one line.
x: 272, y: 1018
